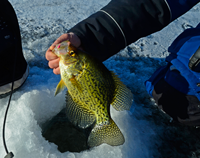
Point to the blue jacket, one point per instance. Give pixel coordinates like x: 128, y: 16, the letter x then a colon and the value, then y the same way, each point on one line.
x: 177, y: 72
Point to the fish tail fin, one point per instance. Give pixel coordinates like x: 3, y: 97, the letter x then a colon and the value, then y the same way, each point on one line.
x: 109, y: 134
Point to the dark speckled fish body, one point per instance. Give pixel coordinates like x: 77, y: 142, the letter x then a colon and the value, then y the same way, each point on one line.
x: 91, y: 90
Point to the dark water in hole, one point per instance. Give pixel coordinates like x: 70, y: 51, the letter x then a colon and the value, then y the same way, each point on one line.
x: 65, y: 135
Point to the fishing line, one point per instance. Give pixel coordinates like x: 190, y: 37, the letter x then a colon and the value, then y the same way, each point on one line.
x: 9, y: 154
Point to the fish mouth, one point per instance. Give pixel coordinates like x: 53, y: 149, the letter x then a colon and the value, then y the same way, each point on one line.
x: 69, y: 63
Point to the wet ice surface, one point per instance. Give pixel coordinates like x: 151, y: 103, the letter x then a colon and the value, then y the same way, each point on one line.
x: 148, y: 132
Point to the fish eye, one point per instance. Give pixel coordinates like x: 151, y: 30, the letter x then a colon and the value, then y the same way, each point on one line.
x: 72, y: 53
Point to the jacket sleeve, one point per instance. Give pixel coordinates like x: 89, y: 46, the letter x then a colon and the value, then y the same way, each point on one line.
x: 120, y: 23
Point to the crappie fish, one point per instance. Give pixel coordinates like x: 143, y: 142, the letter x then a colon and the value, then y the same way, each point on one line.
x: 91, y: 90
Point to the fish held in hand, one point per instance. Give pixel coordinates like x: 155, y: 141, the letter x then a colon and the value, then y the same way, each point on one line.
x: 92, y: 88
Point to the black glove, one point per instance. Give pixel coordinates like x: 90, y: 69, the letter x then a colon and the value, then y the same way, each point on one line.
x: 194, y: 63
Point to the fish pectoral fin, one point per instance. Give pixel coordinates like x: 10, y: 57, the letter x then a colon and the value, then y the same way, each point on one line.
x: 77, y: 114
x: 123, y: 97
x: 109, y: 134
x: 60, y: 87
x: 75, y: 83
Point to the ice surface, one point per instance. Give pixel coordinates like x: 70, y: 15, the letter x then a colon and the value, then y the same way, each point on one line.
x: 148, y: 132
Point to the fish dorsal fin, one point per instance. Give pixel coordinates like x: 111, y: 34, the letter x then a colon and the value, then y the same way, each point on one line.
x: 60, y: 87
x: 109, y: 134
x: 77, y: 114
x: 123, y: 97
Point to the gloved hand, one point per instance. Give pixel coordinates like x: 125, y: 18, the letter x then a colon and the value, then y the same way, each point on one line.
x: 194, y: 63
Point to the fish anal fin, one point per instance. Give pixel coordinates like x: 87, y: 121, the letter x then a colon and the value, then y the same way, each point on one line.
x: 109, y: 134
x: 77, y: 114
x: 60, y: 87
x: 123, y: 97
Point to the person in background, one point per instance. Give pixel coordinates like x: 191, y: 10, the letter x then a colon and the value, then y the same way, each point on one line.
x: 13, y: 66
x: 176, y: 86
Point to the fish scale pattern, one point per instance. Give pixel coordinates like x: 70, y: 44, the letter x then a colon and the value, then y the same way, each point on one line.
x: 78, y: 115
x: 96, y: 93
